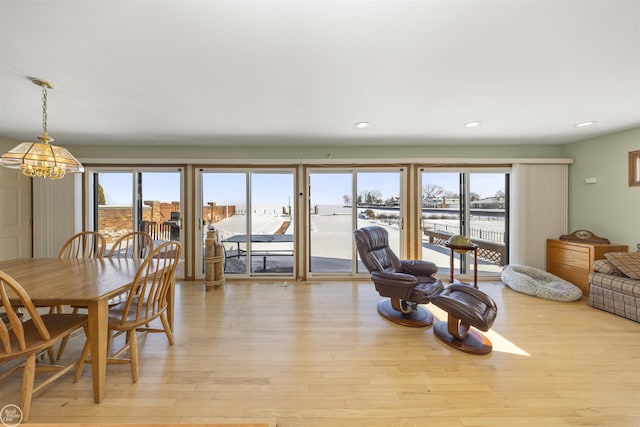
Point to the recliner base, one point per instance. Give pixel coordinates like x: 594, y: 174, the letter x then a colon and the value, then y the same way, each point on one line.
x: 473, y: 342
x: 418, y: 318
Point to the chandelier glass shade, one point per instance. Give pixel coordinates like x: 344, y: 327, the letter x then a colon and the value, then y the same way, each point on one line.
x: 41, y: 159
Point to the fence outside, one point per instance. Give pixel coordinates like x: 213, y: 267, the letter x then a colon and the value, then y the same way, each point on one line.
x: 474, y: 233
x: 490, y: 251
x: 160, y: 231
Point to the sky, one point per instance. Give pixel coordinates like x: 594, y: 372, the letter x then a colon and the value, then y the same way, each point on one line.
x: 118, y: 186
x: 276, y: 189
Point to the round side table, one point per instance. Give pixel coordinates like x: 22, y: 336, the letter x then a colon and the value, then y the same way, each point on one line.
x: 458, y: 248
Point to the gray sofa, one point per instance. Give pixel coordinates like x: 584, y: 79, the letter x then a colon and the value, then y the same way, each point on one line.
x: 611, y: 288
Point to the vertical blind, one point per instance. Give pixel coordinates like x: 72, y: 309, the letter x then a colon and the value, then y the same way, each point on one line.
x: 538, y: 210
x: 56, y: 214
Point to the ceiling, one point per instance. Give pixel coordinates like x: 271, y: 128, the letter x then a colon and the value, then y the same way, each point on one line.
x: 304, y: 72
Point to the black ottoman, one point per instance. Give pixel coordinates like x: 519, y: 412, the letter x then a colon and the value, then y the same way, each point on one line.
x: 466, y: 307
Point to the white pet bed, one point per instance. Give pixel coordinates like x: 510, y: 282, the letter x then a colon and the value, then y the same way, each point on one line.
x: 538, y: 283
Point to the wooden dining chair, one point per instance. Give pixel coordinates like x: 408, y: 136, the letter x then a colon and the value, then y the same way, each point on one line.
x: 83, y: 245
x: 86, y: 244
x: 146, y: 302
x: 26, y: 339
x: 136, y: 244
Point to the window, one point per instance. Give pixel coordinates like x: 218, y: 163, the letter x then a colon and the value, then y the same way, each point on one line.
x: 122, y: 200
x: 473, y: 203
x: 260, y: 201
x: 340, y: 201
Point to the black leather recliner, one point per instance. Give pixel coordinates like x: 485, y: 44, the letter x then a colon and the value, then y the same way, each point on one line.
x: 406, y: 283
x: 409, y: 283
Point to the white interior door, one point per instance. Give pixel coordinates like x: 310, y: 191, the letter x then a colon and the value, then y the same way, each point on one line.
x: 15, y: 215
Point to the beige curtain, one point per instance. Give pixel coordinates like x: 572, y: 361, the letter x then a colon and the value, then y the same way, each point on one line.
x: 538, y: 211
x: 57, y: 213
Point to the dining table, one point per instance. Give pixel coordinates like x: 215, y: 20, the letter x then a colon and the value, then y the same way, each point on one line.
x: 260, y: 249
x: 88, y: 283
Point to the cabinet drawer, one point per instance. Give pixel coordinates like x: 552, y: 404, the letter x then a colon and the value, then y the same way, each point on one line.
x: 579, y: 278
x: 569, y: 257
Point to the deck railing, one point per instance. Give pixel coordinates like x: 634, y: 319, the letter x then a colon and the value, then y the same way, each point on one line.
x: 157, y: 230
x: 493, y: 252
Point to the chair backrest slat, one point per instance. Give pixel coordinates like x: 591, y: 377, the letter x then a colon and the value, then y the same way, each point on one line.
x: 83, y: 245
x: 5, y: 340
x: 136, y: 245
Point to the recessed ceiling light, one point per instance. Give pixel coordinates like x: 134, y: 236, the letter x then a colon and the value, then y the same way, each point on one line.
x: 472, y: 124
x: 362, y: 125
x: 583, y: 124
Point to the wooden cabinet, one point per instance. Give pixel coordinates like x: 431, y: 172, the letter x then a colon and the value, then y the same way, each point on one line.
x: 572, y: 261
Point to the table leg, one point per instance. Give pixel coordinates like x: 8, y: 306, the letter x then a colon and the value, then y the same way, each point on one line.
x: 475, y: 268
x: 98, y: 312
x: 451, y: 266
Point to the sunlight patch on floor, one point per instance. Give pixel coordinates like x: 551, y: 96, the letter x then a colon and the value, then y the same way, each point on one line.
x: 500, y: 343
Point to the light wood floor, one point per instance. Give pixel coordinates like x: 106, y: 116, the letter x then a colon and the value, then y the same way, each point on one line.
x: 319, y: 355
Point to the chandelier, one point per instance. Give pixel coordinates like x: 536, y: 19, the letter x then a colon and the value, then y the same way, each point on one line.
x: 41, y: 159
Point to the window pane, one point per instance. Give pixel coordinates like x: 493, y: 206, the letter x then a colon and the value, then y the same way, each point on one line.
x: 379, y: 204
x: 114, y: 205
x: 161, y: 212
x: 272, y: 223
x: 440, y: 217
x: 330, y: 222
x: 224, y: 210
x: 487, y: 220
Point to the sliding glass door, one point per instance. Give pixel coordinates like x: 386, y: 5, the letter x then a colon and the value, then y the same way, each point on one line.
x: 472, y: 203
x: 122, y: 200
x: 340, y: 201
x: 271, y: 248
x: 330, y: 222
x: 252, y: 213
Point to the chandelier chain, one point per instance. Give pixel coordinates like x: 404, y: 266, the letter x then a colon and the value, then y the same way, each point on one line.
x: 44, y: 110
